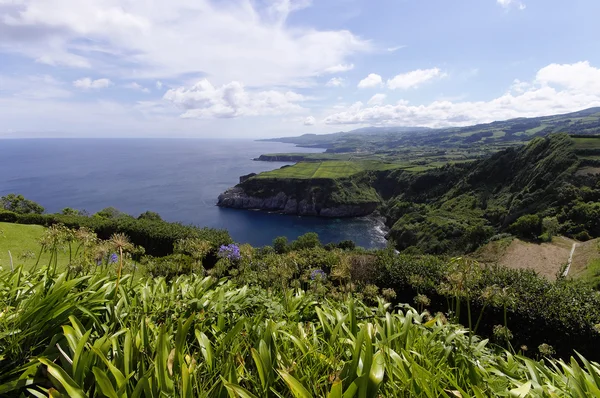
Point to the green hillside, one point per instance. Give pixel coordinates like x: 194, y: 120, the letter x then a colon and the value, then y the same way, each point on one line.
x: 483, y: 137
x: 455, y: 209
x: 23, y: 242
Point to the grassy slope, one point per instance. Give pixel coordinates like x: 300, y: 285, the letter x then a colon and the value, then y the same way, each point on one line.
x: 586, y: 261
x: 329, y: 169
x: 20, y: 239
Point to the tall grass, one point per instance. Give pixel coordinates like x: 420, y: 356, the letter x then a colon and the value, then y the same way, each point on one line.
x: 82, y: 336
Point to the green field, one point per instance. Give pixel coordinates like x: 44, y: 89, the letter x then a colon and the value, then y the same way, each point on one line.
x: 587, y: 143
x: 329, y: 169
x: 23, y: 243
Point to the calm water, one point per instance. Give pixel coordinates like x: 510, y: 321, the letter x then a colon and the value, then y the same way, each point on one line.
x: 179, y: 179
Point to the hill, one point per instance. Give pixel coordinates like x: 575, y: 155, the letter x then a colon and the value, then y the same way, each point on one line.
x: 451, y: 208
x: 456, y: 208
x: 481, y: 137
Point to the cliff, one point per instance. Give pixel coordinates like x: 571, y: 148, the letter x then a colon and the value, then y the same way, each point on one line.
x: 281, y: 158
x: 348, y: 197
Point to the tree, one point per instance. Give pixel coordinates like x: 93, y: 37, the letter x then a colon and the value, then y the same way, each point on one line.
x: 550, y: 227
x: 306, y: 241
x: 527, y: 227
x: 109, y: 212
x: 67, y: 211
x: 280, y: 244
x: 18, y: 204
x: 150, y: 216
x: 347, y: 245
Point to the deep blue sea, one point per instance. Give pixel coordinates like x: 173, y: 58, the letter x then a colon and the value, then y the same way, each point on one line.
x: 178, y: 178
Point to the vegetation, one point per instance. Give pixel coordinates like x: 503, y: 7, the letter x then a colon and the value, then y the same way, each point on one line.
x: 157, y: 237
x: 483, y: 139
x: 329, y: 169
x: 306, y: 323
x: 18, y: 204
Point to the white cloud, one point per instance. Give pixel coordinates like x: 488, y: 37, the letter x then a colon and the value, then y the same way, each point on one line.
x: 86, y: 83
x: 249, y: 41
x: 394, y: 49
x: 159, y: 85
x: 138, y: 87
x: 339, y: 68
x: 373, y: 80
x: 414, y: 78
x: 556, y: 89
x: 309, y: 121
x: 336, y: 82
x: 512, y: 3
x: 377, y: 99
x: 203, y: 100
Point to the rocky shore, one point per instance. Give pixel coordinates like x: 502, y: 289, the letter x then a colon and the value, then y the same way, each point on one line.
x: 237, y: 198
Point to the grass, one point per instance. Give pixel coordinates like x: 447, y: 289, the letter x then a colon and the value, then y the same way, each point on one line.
x: 328, y: 169
x: 23, y: 243
x: 587, y: 143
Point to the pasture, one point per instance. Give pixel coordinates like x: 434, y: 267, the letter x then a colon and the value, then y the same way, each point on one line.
x: 328, y: 169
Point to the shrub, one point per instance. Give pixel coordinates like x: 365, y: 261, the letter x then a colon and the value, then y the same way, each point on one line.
x: 527, y: 227
x: 307, y: 241
x: 20, y: 205
x: 150, y: 215
x: 280, y: 244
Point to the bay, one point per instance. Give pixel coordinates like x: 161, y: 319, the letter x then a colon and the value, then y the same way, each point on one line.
x: 178, y: 178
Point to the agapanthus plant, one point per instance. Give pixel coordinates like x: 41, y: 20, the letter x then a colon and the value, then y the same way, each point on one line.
x: 230, y: 252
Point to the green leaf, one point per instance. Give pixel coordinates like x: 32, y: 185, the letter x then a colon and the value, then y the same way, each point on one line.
x: 376, y: 374
x: 104, y: 383
x: 521, y: 391
x: 65, y: 380
x: 336, y: 390
x: 295, y: 386
x: 237, y: 391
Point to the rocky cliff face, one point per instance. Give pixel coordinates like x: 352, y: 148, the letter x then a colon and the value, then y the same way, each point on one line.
x: 309, y: 205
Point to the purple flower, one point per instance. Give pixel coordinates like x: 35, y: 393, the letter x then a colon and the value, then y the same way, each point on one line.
x: 113, y: 258
x: 230, y: 252
x: 99, y: 262
x: 318, y: 275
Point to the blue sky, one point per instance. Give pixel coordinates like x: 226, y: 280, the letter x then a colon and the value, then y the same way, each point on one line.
x: 265, y: 68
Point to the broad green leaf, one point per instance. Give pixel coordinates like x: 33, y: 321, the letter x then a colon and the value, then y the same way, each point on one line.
x: 65, y: 380
x: 294, y: 385
x: 104, y: 383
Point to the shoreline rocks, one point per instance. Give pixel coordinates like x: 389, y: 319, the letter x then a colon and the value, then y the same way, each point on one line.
x: 237, y: 198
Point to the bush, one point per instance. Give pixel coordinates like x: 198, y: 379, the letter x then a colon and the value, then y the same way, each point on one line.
x: 347, y: 245
x: 20, y: 205
x: 527, y: 227
x: 280, y: 244
x: 307, y: 241
x: 150, y: 216
x: 156, y: 237
x: 583, y: 236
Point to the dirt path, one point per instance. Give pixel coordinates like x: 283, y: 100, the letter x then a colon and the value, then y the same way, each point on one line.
x: 570, y: 259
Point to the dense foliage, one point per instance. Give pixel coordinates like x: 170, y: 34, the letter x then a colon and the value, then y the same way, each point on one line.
x: 156, y: 236
x: 95, y: 334
x: 456, y: 208
x: 18, y: 204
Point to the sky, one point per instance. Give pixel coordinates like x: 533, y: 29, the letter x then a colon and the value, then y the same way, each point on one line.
x: 272, y: 68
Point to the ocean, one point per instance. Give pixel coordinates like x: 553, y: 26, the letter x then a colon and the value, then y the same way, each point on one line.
x: 178, y: 178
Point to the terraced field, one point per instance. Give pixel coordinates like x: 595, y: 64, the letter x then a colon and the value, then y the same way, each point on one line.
x: 587, y: 143
x: 329, y: 169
